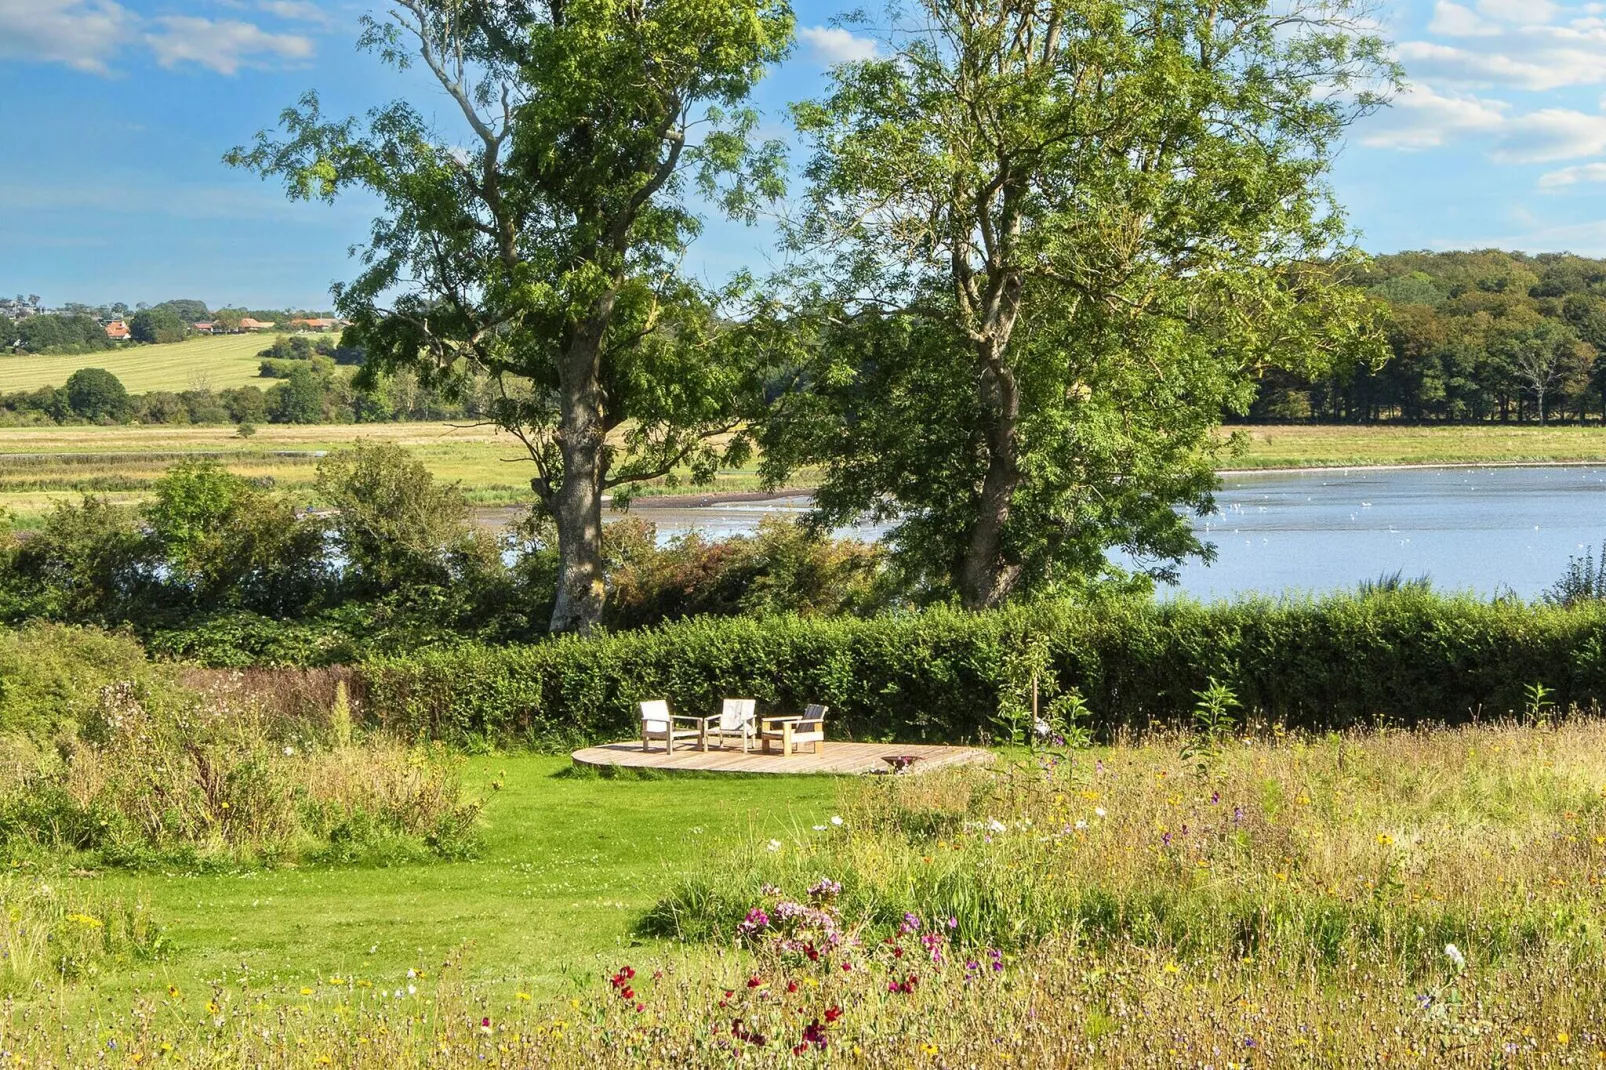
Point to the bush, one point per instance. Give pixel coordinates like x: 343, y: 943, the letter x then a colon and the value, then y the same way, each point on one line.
x: 52, y: 676
x: 1407, y: 657
x: 97, y: 394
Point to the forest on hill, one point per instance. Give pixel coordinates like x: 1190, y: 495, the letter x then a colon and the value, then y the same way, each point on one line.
x: 1474, y: 336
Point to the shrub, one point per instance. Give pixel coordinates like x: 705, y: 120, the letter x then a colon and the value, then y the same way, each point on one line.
x: 1406, y: 657
x: 52, y: 676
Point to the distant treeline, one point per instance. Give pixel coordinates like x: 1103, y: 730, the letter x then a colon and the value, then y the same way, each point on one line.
x: 1475, y: 337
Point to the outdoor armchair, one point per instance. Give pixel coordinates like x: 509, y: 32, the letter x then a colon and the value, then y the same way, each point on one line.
x: 736, y: 718
x: 658, y: 723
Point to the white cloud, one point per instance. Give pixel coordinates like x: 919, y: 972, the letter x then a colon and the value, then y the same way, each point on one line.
x: 80, y: 33
x: 296, y: 10
x: 1521, y: 12
x: 1453, y: 20
x: 223, y: 46
x: 1423, y: 119
x: 1551, y: 134
x: 833, y: 44
x: 1534, y: 57
x: 1572, y: 176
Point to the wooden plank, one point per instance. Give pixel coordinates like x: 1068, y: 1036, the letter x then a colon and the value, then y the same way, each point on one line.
x: 835, y: 758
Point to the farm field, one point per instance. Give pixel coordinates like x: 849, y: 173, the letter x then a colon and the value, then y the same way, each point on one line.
x: 1332, y: 901
x: 1326, y: 446
x: 218, y: 362
x: 41, y: 465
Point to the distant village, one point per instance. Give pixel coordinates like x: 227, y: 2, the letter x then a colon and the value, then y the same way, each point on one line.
x: 115, y: 319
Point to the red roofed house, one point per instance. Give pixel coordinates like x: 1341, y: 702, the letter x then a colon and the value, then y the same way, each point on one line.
x: 249, y: 324
x: 202, y: 328
x: 117, y: 331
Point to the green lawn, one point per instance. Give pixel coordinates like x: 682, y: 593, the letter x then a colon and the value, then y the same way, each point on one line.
x: 569, y: 863
x: 215, y: 361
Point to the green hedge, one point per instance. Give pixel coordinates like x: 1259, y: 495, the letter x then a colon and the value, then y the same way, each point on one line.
x: 941, y: 675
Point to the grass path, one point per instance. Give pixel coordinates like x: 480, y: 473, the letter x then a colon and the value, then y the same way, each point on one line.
x: 569, y: 864
x: 219, y: 362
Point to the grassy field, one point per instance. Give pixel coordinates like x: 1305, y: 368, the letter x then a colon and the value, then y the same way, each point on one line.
x: 213, y: 361
x: 1415, y: 899
x: 41, y: 465
x: 1339, y: 447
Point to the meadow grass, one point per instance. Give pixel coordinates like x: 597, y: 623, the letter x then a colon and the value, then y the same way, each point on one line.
x: 214, y: 361
x: 1427, y: 898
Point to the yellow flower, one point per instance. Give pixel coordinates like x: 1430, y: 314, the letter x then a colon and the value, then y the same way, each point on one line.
x: 306, y: 991
x: 173, y: 992
x: 521, y: 995
x: 1282, y: 876
x: 928, y: 1049
x: 1563, y: 1037
x: 336, y: 981
x: 212, y: 1007
x: 1385, y: 840
x: 1172, y: 967
x: 86, y: 921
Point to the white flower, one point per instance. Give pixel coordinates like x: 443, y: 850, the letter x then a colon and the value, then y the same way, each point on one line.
x: 412, y: 990
x: 820, y: 828
x: 289, y: 751
x: 1081, y: 824
x: 1453, y: 953
x: 411, y: 973
x: 1099, y: 811
x: 995, y: 825
x: 837, y: 821
x: 773, y: 845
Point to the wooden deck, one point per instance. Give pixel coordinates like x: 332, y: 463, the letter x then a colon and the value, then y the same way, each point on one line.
x: 837, y: 758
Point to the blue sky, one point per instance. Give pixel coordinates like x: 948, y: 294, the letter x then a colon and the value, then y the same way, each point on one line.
x: 114, y: 115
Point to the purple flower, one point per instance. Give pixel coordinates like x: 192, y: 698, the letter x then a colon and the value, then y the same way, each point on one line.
x: 1215, y: 797
x: 953, y: 922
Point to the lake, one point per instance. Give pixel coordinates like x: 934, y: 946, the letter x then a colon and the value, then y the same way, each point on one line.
x: 1484, y: 530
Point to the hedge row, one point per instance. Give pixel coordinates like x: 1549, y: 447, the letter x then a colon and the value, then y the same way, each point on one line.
x: 943, y: 676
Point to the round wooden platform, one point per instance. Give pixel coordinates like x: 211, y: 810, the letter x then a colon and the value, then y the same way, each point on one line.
x: 838, y: 758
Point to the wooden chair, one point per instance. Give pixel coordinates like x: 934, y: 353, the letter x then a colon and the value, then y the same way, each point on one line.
x: 790, y: 731
x: 658, y: 723
x: 736, y: 718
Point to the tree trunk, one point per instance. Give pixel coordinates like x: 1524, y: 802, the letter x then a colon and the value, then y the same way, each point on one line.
x: 577, y: 504
x: 985, y: 578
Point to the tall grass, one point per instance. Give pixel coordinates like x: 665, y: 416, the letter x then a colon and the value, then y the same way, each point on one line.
x: 167, y: 774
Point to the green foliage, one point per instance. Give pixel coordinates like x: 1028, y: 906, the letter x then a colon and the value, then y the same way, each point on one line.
x: 393, y: 524
x: 289, y: 347
x: 299, y: 400
x: 548, y: 262
x: 1213, y: 722
x: 50, y: 934
x: 62, y: 334
x: 1480, y: 335
x: 97, y: 394
x: 145, y: 770
x: 941, y: 676
x: 1584, y: 580
x: 1014, y: 359
x: 226, y: 544
x: 784, y: 568
x: 158, y: 324
x: 52, y: 676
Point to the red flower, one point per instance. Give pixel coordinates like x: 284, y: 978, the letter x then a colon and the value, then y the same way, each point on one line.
x: 832, y: 1014
x: 627, y: 993
x: 754, y: 981
x: 485, y: 1023
x: 791, y: 986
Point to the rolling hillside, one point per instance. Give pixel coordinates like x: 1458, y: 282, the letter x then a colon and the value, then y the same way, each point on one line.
x: 217, y: 362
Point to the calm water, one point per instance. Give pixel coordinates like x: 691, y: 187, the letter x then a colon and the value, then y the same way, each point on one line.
x: 1478, y: 529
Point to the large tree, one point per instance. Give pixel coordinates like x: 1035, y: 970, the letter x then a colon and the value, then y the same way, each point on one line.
x: 1053, y: 240
x: 538, y: 241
